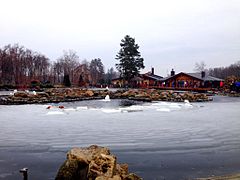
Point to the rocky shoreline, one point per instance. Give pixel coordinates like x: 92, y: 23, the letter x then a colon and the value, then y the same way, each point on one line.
x: 56, y: 95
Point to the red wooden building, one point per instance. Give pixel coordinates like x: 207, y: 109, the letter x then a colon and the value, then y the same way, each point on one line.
x: 191, y: 80
x: 141, y: 81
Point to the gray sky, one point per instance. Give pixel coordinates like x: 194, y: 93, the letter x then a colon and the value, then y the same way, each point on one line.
x: 171, y: 33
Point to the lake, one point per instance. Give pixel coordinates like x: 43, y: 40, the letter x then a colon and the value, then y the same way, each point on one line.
x: 159, y: 140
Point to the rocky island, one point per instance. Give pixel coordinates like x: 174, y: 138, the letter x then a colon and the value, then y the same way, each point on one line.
x: 56, y: 95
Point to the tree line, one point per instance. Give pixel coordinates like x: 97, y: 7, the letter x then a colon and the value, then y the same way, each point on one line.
x: 225, y: 72
x: 20, y: 67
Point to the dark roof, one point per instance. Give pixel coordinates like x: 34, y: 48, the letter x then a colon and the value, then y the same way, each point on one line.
x: 115, y: 79
x: 206, y: 78
x: 195, y: 75
x: 152, y: 76
x: 164, y: 79
x: 139, y: 77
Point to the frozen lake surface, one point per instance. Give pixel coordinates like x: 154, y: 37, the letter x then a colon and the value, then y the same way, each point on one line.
x: 159, y: 140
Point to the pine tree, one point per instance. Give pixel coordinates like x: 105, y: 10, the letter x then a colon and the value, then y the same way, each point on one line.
x: 66, y: 81
x: 130, y: 60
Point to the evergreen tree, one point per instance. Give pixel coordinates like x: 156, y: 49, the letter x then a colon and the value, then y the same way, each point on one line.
x: 111, y: 74
x: 97, y: 71
x: 80, y: 80
x: 130, y: 60
x: 66, y: 81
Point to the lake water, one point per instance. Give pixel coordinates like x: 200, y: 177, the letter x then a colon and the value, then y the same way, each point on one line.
x: 158, y: 140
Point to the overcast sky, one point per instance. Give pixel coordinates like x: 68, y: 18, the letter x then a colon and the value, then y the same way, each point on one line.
x: 171, y: 33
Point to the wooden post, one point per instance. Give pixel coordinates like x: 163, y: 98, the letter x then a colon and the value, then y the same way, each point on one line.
x: 24, y: 171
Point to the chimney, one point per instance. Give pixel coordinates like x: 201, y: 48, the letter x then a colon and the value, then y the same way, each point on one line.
x: 152, y: 71
x: 203, y: 74
x: 172, y: 72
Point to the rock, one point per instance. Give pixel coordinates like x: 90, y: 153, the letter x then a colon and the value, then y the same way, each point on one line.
x: 42, y: 94
x: 142, y: 95
x: 125, y: 94
x: 155, y: 97
x: 89, y: 93
x: 130, y: 93
x: 91, y: 163
x: 104, y: 165
x: 122, y: 169
x: 132, y: 176
x: 116, y: 177
x: 68, y: 91
x: 21, y: 94
x: 163, y: 96
x: 72, y: 169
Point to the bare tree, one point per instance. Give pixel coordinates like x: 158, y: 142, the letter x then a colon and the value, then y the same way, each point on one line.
x: 20, y: 65
x: 67, y: 63
x: 58, y: 72
x: 7, y: 66
x: 200, y: 66
x: 224, y: 72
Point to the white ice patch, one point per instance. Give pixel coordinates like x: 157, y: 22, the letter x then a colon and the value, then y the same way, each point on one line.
x: 82, y: 108
x: 69, y: 109
x: 166, y: 106
x: 134, y: 108
x: 111, y: 110
x: 187, y: 104
x: 55, y: 113
x: 163, y: 110
x: 175, y: 106
x: 106, y: 99
x: 186, y: 101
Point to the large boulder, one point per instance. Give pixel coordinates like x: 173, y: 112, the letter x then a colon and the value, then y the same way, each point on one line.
x: 91, y: 163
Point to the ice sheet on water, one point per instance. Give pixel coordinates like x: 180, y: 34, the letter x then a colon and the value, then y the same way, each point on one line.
x: 166, y: 106
x: 163, y: 109
x: 82, y: 108
x: 110, y: 110
x: 133, y: 108
x: 69, y: 109
x: 173, y: 106
x: 55, y: 113
x: 115, y: 107
x: 105, y: 100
